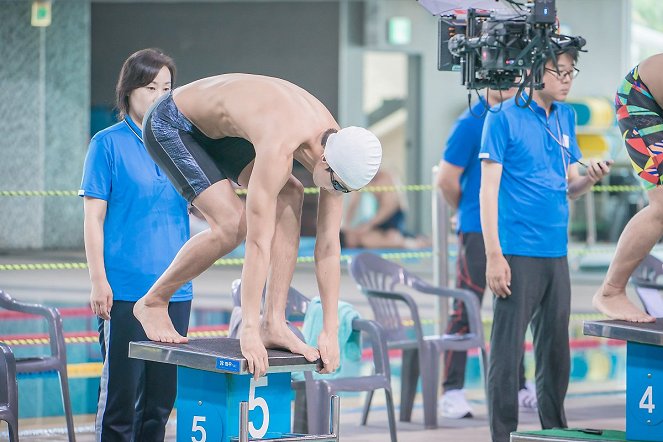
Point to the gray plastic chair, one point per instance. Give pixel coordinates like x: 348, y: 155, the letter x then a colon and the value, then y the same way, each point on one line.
x: 56, y: 361
x: 378, y: 278
x: 8, y: 391
x: 320, y: 391
x: 648, y: 286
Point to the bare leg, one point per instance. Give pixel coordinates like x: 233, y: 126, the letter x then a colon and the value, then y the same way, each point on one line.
x: 224, y: 212
x: 274, y: 331
x: 391, y: 239
x: 636, y: 241
x: 382, y: 239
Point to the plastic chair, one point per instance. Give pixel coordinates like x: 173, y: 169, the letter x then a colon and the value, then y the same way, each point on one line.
x: 378, y: 278
x: 56, y: 361
x: 8, y: 391
x: 320, y: 391
x: 647, y: 285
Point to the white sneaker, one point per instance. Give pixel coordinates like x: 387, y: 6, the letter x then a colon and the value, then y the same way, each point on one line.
x: 454, y: 405
x: 527, y: 401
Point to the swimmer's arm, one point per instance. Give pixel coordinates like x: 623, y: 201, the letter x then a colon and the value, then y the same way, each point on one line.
x: 388, y: 202
x: 328, y: 255
x: 328, y: 273
x: 271, y: 171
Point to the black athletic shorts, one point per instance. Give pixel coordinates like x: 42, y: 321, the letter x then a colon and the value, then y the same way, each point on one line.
x: 192, y: 160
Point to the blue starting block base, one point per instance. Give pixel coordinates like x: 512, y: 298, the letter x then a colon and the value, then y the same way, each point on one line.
x: 218, y: 400
x: 644, y: 374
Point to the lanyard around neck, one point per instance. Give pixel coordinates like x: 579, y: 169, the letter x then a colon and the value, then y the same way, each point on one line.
x: 563, y: 149
x: 545, y: 126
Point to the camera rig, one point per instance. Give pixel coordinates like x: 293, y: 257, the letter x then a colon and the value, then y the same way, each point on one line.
x: 500, y: 48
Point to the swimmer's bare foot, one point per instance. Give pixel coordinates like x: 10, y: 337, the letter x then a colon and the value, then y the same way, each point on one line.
x: 280, y: 336
x: 156, y: 322
x: 613, y: 303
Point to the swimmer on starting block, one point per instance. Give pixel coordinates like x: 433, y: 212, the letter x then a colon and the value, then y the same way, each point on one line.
x: 639, y: 107
x: 249, y: 129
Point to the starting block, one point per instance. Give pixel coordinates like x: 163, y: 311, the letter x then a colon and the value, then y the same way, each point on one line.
x: 569, y: 435
x: 644, y: 374
x: 217, y: 398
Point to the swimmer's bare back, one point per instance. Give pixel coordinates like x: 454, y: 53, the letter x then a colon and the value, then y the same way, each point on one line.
x: 254, y: 107
x: 650, y: 71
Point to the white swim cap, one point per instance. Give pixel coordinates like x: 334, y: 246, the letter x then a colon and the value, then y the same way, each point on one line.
x: 354, y: 154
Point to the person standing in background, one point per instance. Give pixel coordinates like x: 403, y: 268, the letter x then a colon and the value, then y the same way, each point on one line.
x: 459, y: 179
x: 135, y: 223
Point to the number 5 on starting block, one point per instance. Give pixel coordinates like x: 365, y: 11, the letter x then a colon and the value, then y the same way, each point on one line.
x: 208, y: 405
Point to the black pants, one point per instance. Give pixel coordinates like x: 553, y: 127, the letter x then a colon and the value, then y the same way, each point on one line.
x: 470, y: 275
x: 540, y: 293
x: 135, y: 396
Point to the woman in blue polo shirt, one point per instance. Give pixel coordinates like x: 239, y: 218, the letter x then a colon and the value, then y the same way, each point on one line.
x: 135, y: 223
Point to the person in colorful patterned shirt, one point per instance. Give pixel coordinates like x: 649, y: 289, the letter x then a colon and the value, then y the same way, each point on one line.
x: 638, y: 104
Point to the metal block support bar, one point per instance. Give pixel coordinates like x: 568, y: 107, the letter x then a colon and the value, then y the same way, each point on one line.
x: 334, y: 425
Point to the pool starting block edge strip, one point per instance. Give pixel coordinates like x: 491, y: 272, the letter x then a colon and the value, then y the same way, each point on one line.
x: 221, y: 355
x: 643, y: 333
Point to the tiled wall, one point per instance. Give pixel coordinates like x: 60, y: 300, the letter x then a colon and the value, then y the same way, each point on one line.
x: 44, y: 122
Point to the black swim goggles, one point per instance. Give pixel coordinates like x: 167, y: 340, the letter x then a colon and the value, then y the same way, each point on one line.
x: 335, y: 184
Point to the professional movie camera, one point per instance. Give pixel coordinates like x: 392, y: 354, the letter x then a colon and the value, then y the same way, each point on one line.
x: 498, y: 43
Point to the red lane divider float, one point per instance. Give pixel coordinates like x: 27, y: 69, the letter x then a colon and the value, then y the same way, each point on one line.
x: 65, y: 312
x: 88, y: 337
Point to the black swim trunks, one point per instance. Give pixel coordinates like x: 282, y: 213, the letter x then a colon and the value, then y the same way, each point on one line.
x: 192, y: 160
x: 395, y: 221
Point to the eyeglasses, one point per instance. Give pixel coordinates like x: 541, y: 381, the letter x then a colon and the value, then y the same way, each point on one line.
x: 335, y: 184
x: 564, y: 74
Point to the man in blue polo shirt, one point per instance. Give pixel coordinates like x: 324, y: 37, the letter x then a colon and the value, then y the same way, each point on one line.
x: 459, y: 180
x: 529, y: 155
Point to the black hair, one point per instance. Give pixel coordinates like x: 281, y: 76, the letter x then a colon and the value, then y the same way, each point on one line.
x: 570, y: 50
x: 140, y: 69
x: 326, y: 135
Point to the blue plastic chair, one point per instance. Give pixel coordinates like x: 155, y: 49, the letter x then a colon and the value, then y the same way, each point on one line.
x: 320, y: 391
x: 378, y: 279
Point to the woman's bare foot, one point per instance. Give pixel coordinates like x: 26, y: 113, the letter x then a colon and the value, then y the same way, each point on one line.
x: 156, y: 323
x: 614, y: 303
x: 280, y: 336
